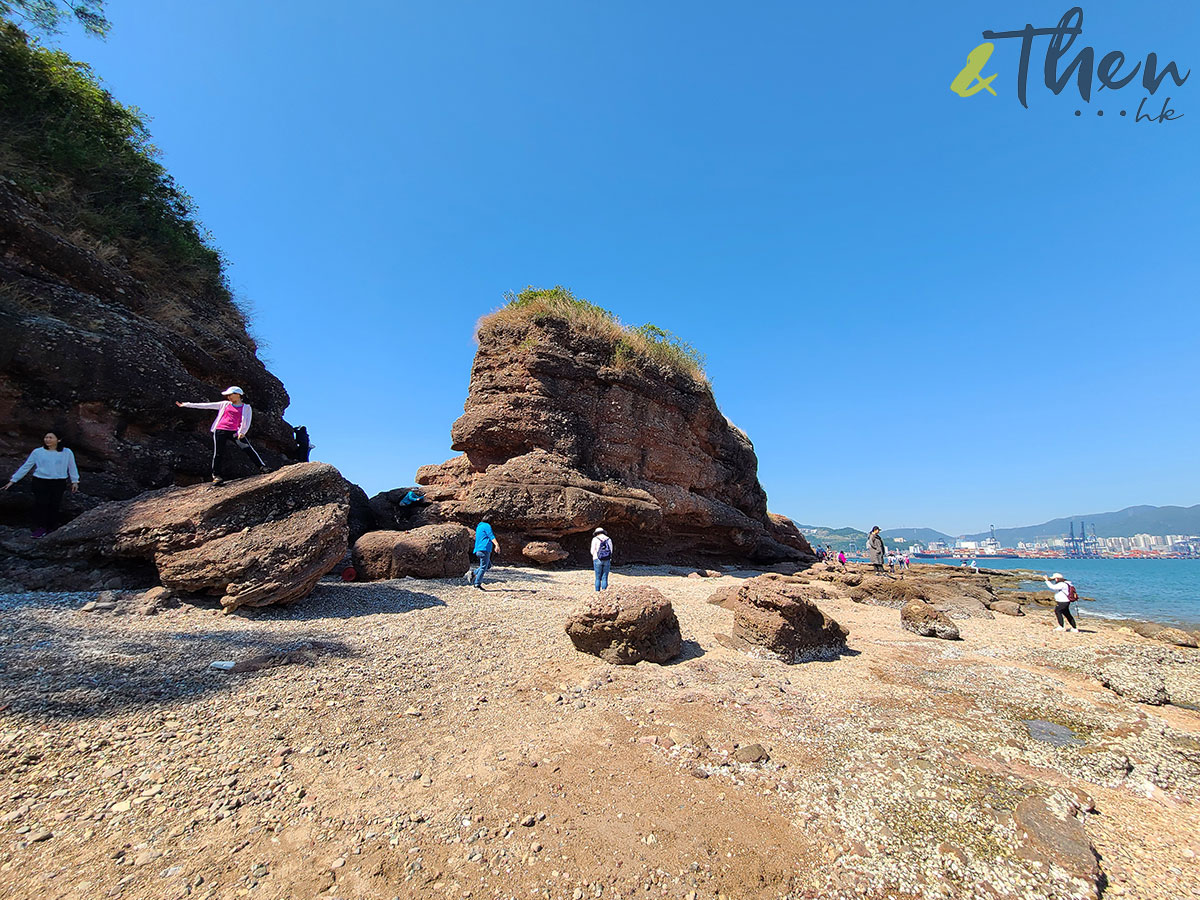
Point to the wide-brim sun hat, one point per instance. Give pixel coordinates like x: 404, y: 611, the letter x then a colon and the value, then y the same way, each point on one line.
x: 232, y: 389
x: 1057, y: 576
x: 599, y: 531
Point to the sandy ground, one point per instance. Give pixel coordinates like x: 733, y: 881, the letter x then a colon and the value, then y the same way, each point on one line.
x: 424, y: 739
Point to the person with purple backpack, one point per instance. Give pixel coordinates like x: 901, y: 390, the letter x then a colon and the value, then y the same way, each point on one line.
x: 602, y: 550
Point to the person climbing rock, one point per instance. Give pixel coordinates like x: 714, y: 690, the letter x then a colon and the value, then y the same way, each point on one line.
x: 53, y: 466
x: 230, y: 424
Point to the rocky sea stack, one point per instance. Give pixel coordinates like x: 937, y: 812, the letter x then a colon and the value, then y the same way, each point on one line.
x: 573, y: 421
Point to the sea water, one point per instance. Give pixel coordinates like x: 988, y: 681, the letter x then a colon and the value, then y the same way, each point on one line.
x: 1155, y: 590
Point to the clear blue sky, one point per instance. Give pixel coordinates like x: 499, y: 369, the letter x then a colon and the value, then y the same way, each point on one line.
x: 924, y: 309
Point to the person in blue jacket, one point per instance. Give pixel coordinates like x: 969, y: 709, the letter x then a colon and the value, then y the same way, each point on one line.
x: 485, y: 544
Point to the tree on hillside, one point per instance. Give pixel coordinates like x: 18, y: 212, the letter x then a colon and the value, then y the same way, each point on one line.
x: 48, y: 16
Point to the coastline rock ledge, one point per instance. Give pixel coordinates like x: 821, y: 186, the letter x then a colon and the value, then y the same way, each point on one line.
x: 566, y: 429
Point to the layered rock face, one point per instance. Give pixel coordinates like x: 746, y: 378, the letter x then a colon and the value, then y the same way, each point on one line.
x: 557, y: 438
x: 253, y: 542
x: 98, y: 354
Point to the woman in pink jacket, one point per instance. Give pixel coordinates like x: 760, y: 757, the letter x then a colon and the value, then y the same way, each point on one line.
x: 231, y: 424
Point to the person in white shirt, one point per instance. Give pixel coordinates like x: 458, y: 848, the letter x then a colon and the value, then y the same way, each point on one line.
x: 1062, y: 601
x: 602, y: 551
x: 53, y: 465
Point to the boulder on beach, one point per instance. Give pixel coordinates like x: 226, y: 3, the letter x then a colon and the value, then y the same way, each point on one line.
x: 1006, y: 608
x: 780, y: 616
x: 920, y: 618
x: 431, y: 551
x: 626, y: 626
x: 1176, y: 636
x: 544, y: 552
x: 253, y: 542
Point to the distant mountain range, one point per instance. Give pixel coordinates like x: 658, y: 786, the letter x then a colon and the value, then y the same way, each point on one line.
x: 1123, y: 523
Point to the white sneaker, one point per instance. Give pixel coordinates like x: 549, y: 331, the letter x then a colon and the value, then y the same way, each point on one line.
x: 470, y: 576
x: 1076, y: 630
x: 1058, y: 628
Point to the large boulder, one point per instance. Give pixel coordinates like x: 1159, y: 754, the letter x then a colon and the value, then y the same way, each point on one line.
x: 781, y: 616
x: 564, y: 430
x: 544, y: 553
x: 253, y: 542
x: 626, y: 626
x: 96, y: 348
x: 921, y: 618
x: 431, y: 551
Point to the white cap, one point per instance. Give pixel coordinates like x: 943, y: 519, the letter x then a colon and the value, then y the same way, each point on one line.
x: 1057, y: 576
x: 232, y: 389
x: 599, y: 531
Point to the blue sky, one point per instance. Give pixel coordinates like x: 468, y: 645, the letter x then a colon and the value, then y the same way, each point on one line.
x: 924, y: 309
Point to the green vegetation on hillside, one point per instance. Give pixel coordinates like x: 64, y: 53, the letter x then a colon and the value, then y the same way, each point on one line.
x: 89, y: 159
x: 644, y: 347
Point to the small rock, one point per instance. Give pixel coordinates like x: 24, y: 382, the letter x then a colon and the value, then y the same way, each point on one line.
x: 751, y: 753
x: 41, y: 834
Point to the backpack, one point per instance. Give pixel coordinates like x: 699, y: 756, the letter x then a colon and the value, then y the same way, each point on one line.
x: 604, y: 551
x: 1072, y: 594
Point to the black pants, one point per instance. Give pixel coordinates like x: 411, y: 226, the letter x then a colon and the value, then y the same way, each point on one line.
x: 1063, y: 611
x: 47, y: 498
x: 221, y: 437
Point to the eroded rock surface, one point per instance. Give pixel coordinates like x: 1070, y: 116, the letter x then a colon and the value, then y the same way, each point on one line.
x: 627, y: 626
x: 432, y: 551
x: 780, y: 616
x: 97, y: 353
x: 252, y: 542
x: 557, y: 439
x: 921, y: 618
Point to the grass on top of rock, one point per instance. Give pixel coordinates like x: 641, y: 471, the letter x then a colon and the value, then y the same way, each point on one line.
x: 645, y: 348
x: 89, y: 160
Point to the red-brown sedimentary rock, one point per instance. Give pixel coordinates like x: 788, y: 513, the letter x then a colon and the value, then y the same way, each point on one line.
x: 98, y: 354
x: 252, y: 542
x: 556, y: 439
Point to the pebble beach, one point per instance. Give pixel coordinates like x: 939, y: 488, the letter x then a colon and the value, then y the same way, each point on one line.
x: 414, y: 738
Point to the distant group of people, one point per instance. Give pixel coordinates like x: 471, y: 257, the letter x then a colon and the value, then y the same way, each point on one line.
x: 54, y: 467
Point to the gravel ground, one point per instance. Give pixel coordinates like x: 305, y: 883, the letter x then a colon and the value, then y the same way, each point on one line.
x: 421, y: 739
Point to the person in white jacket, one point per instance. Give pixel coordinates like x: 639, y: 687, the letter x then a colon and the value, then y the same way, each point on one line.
x: 53, y: 465
x: 230, y: 424
x: 602, y: 551
x: 1062, y: 601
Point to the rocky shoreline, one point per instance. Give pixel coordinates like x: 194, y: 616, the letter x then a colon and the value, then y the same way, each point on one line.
x: 418, y: 738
